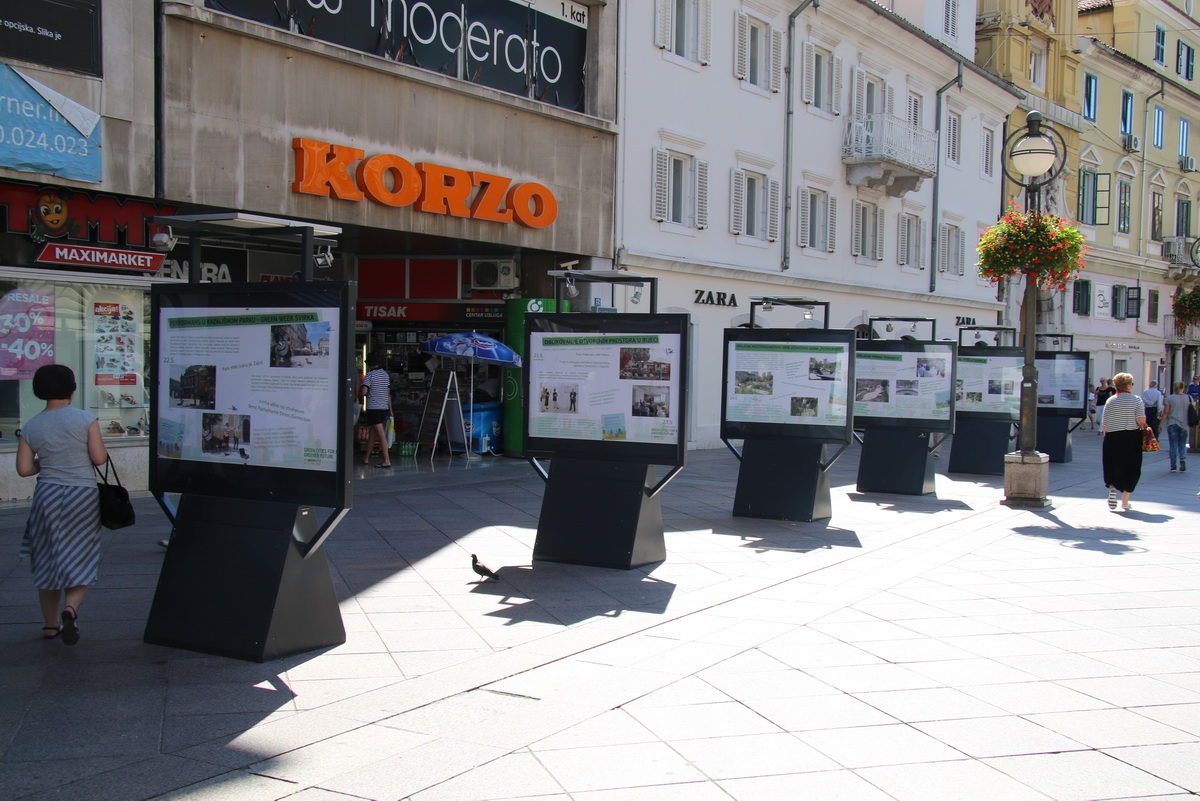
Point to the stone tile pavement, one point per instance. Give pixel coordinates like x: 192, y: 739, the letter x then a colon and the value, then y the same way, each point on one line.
x: 934, y: 648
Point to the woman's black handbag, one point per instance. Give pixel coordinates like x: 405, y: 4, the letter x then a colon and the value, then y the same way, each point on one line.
x: 115, y: 509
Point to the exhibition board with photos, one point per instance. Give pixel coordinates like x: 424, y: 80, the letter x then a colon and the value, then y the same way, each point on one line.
x: 787, y: 382
x: 990, y: 383
x: 249, y: 386
x: 898, y: 382
x: 610, y: 387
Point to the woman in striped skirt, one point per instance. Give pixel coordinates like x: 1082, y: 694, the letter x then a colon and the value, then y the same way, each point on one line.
x: 62, y: 536
x: 1122, y: 425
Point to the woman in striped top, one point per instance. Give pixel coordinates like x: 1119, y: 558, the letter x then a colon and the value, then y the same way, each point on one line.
x: 1123, y: 422
x: 376, y: 390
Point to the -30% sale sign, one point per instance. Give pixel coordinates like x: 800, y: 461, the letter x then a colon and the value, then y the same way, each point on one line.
x: 26, y: 332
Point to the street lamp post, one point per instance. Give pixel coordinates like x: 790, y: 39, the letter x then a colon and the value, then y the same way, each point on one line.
x: 1037, y: 153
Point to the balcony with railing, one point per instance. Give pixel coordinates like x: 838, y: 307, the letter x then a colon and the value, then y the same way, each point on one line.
x: 883, y: 151
x: 1181, y: 333
x: 1178, y: 250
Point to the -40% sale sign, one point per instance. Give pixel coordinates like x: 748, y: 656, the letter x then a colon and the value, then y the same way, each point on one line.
x: 26, y: 332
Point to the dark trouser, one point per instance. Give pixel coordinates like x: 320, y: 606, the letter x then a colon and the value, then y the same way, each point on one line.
x: 1152, y: 419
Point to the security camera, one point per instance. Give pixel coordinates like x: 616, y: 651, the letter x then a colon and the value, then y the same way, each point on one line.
x: 164, y: 241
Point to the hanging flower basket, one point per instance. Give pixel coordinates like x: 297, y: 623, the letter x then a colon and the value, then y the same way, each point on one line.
x: 1043, y: 247
x: 1186, y: 307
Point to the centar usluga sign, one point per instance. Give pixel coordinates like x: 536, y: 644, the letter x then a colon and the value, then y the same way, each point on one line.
x: 347, y: 173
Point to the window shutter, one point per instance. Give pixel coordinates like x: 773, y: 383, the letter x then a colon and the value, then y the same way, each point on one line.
x: 808, y: 88
x: 889, y: 100
x: 741, y: 54
x: 859, y: 105
x: 879, y: 228
x: 804, y: 209
x: 831, y: 223
x: 664, y: 11
x: 661, y: 184
x: 704, y: 32
x: 856, y: 231
x: 921, y: 239
x: 1103, y: 197
x: 1118, y: 302
x: 1077, y: 297
x: 962, y: 252
x: 774, y: 193
x: 914, y: 110
x: 943, y: 246
x: 950, y: 23
x: 737, y: 202
x: 776, y: 60
x: 701, y: 194
x: 835, y: 100
x: 902, y: 239
x: 1133, y: 303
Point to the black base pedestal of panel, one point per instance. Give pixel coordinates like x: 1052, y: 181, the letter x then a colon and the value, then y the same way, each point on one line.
x: 597, y: 513
x: 233, y: 583
x: 782, y: 479
x: 896, y: 460
x: 1054, y: 438
x: 979, y: 446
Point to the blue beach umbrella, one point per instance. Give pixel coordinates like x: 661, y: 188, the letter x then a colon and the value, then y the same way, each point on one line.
x: 473, y: 346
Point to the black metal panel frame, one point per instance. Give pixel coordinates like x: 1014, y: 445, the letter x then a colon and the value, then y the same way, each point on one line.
x: 1078, y: 355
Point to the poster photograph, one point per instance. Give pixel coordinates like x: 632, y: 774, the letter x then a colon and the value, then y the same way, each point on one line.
x: 1063, y: 383
x: 988, y: 383
x: 786, y: 382
x: 610, y: 387
x: 249, y: 386
x: 905, y: 384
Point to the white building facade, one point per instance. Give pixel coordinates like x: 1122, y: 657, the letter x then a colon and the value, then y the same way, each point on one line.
x: 838, y: 153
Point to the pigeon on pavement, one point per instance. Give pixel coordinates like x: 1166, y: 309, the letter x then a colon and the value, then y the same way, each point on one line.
x: 482, y: 570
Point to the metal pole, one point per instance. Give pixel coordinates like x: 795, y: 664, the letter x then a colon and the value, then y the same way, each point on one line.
x: 1029, y: 374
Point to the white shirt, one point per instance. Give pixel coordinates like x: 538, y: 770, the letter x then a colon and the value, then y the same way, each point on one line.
x: 1152, y: 398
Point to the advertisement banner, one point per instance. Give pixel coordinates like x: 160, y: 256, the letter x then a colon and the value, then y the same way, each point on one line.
x: 43, y: 131
x: 56, y: 33
x: 117, y: 346
x: 26, y: 332
x: 905, y: 383
x: 250, y: 386
x: 793, y: 383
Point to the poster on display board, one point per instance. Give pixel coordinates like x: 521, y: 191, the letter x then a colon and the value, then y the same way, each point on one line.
x: 606, y: 386
x: 988, y: 383
x: 905, y: 384
x: 251, y: 391
x: 1063, y: 383
x: 26, y: 332
x: 788, y: 383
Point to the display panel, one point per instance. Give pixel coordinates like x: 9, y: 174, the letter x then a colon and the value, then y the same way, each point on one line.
x: 606, y: 386
x: 788, y: 383
x: 250, y: 391
x: 1063, y: 384
x: 988, y: 382
x: 906, y: 384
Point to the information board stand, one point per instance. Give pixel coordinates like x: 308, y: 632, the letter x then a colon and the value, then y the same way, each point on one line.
x: 897, y: 460
x: 783, y: 479
x: 1054, y: 437
x: 239, y: 561
x: 979, y: 446
x: 599, y: 513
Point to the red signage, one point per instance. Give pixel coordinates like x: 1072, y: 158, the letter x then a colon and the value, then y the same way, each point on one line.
x: 87, y: 256
x: 427, y: 311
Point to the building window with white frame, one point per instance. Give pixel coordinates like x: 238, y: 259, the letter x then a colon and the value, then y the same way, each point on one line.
x: 684, y: 27
x: 1091, y: 88
x: 1183, y: 216
x: 822, y: 78
x: 987, y: 153
x: 1156, y: 216
x: 953, y: 137
x: 680, y: 189
x: 1037, y: 65
x: 1185, y: 60
x: 1160, y: 44
x: 952, y: 250
x: 910, y: 240
x: 1124, y: 206
x: 754, y: 205
x: 1160, y: 124
x: 758, y: 53
x: 1126, y: 112
x: 866, y: 238
x: 1094, y: 196
x: 1184, y: 131
x: 817, y: 219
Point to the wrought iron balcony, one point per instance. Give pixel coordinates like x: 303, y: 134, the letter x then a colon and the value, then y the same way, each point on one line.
x: 1178, y: 249
x: 883, y: 151
x: 1180, y: 334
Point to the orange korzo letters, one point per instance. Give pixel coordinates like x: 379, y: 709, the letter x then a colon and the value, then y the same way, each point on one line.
x: 328, y: 170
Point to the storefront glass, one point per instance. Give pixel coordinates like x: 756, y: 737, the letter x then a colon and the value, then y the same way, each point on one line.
x: 97, y: 327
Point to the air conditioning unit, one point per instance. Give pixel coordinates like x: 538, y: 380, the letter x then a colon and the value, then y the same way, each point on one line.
x: 494, y: 274
x: 1132, y: 143
x: 1187, y: 163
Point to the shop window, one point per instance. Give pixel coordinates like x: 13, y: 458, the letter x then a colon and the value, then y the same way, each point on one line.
x: 99, y: 330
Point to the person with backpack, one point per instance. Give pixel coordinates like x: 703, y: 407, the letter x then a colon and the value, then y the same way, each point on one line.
x: 1179, y: 415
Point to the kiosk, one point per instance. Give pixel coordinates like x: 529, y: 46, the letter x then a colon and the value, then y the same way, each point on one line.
x: 987, y: 401
x: 261, y: 464
x: 1063, y: 389
x: 903, y: 399
x: 605, y: 401
x: 786, y: 396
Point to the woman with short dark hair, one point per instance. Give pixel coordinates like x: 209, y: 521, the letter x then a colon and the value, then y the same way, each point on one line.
x: 60, y: 445
x: 1122, y: 426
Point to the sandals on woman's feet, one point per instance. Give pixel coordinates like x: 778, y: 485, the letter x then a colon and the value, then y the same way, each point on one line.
x: 1126, y: 507
x: 70, y: 631
x: 1112, y: 499
x: 50, y: 632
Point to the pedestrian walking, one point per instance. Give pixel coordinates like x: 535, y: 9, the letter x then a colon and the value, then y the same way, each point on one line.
x: 1121, y: 426
x: 1103, y: 393
x: 376, y: 390
x: 1175, y: 417
x: 60, y: 445
x: 1153, y: 399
